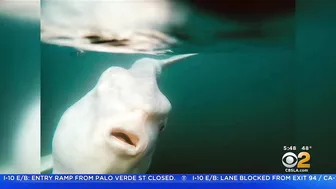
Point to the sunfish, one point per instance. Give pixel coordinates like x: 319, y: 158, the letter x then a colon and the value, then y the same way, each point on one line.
x: 115, y: 126
x: 26, y: 10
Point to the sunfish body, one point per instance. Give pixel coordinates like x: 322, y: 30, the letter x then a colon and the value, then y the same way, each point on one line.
x: 114, y: 127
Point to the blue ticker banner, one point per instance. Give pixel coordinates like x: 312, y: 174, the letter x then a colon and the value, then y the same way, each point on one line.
x: 177, y: 180
x: 164, y: 178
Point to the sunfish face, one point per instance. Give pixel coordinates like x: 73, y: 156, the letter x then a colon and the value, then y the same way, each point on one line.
x: 114, y: 128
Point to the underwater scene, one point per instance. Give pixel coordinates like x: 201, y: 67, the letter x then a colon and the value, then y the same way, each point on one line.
x: 255, y: 84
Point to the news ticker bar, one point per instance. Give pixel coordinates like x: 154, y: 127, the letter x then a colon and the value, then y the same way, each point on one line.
x: 173, y: 178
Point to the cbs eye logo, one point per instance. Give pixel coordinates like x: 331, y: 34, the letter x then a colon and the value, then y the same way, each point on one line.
x: 290, y: 160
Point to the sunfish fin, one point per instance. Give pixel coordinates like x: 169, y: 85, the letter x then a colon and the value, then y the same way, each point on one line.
x: 46, y: 163
x: 176, y: 58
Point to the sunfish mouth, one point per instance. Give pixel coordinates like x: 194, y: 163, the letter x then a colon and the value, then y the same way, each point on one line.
x: 125, y: 137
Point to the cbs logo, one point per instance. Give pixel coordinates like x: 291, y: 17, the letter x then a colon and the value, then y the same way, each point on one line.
x: 290, y: 160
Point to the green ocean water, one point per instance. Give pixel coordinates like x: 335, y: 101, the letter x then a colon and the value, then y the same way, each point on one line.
x: 232, y: 112
x: 19, y: 76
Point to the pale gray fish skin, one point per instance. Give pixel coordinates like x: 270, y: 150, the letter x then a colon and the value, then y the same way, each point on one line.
x: 28, y: 10
x: 147, y: 26
x: 126, y: 101
x: 110, y: 26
